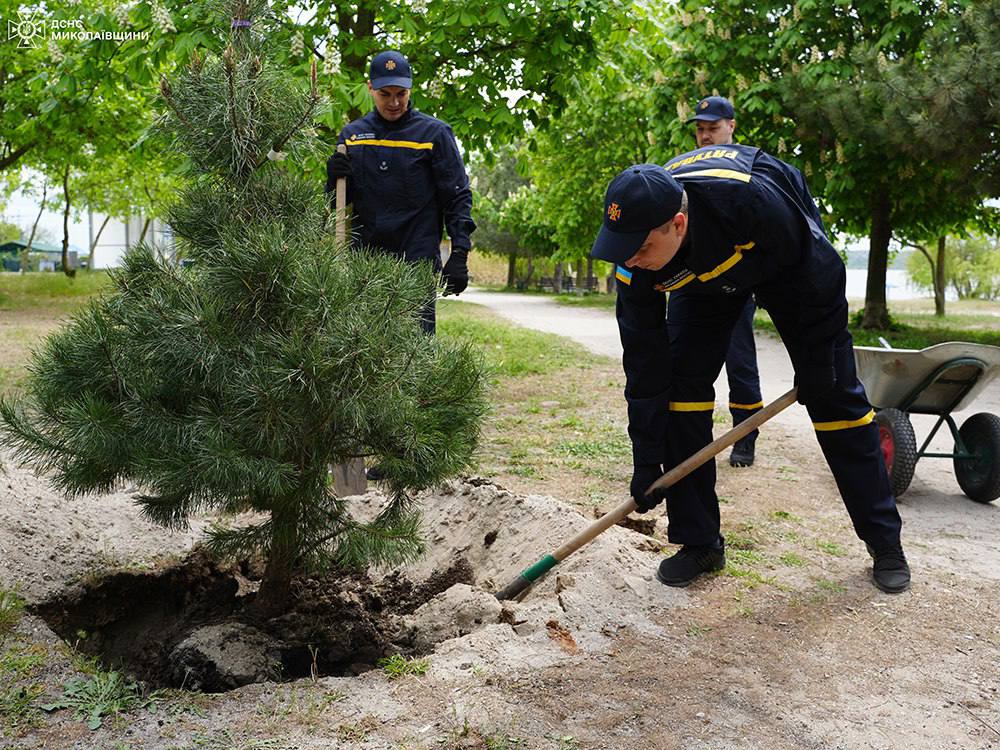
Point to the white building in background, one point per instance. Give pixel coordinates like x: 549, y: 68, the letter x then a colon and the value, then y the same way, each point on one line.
x: 22, y: 210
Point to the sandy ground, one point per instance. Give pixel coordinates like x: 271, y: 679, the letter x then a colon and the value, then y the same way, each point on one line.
x: 791, y: 648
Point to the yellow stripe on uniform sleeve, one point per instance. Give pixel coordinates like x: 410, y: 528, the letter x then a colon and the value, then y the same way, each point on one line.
x: 392, y: 144
x: 844, y: 424
x: 691, y: 406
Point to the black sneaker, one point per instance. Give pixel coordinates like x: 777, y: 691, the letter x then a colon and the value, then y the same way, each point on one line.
x: 890, y: 571
x: 690, y: 562
x: 743, y: 451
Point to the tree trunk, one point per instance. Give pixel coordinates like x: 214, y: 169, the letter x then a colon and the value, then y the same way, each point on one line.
x: 71, y: 272
x: 581, y: 282
x: 876, y: 313
x: 276, y: 585
x: 590, y: 273
x: 939, y: 279
x: 359, y: 22
x: 25, y: 254
x: 145, y: 226
x: 557, y: 278
x: 93, y: 243
x: 530, y: 270
x: 511, y: 270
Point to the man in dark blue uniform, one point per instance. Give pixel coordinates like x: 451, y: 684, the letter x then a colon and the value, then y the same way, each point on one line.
x: 715, y: 121
x: 712, y: 227
x: 405, y: 179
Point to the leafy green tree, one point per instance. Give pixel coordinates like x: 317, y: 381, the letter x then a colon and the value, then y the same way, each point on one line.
x: 494, y: 183
x: 602, y: 130
x: 468, y: 57
x: 972, y: 268
x: 233, y: 384
x: 814, y: 83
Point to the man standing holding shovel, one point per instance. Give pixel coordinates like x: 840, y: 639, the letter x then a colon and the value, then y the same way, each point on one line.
x: 712, y: 227
x: 405, y: 179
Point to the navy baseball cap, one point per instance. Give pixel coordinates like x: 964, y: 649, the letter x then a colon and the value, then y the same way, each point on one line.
x: 713, y: 108
x: 638, y: 200
x: 390, y: 68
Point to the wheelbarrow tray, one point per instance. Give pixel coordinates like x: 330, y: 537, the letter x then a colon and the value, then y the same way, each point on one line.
x: 936, y: 380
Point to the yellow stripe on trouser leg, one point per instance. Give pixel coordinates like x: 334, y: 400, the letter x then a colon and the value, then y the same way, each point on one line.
x: 844, y: 424
x: 747, y: 407
x: 691, y: 406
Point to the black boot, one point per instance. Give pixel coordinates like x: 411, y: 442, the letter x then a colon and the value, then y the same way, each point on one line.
x: 743, y: 450
x: 375, y: 473
x: 890, y: 571
x: 690, y: 562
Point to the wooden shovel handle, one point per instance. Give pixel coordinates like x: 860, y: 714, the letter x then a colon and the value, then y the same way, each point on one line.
x: 677, y: 473
x: 340, y: 217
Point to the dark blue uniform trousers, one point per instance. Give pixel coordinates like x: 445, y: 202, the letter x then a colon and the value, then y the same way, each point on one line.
x: 741, y: 368
x: 699, y: 327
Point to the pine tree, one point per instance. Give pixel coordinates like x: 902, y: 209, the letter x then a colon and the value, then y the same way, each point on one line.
x: 232, y: 383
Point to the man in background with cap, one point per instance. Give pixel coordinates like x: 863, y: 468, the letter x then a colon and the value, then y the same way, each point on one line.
x: 405, y: 179
x: 712, y: 227
x: 715, y: 121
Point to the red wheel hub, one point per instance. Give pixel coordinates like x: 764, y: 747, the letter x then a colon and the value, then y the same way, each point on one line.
x: 888, y: 445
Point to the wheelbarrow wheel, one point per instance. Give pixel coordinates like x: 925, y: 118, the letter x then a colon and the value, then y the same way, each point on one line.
x: 899, y: 448
x: 979, y: 476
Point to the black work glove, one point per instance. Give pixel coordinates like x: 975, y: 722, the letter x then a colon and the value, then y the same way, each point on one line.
x: 814, y: 382
x: 643, y: 476
x: 456, y: 272
x: 339, y: 165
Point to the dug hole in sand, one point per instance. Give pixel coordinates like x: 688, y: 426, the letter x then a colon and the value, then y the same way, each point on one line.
x: 166, y: 625
x: 604, y: 587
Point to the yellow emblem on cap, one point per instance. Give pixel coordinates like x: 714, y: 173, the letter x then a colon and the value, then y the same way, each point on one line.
x: 704, y: 104
x: 614, y: 212
x: 390, y: 64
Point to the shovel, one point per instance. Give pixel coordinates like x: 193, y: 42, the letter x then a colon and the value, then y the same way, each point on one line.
x: 348, y: 478
x: 527, y: 577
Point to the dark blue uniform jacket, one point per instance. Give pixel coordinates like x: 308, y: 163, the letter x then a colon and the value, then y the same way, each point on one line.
x: 407, y: 181
x: 753, y: 227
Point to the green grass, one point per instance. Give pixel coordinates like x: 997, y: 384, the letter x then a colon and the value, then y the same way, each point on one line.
x: 911, y: 330
x: 510, y: 351
x: 100, y: 695
x: 792, y: 560
x: 48, y: 290
x: 397, y: 666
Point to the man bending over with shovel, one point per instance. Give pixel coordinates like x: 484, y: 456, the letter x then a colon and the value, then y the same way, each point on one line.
x: 711, y: 228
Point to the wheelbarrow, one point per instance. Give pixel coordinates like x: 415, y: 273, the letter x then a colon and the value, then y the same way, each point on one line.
x: 938, y: 380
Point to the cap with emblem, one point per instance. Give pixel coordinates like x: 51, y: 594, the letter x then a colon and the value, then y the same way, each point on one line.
x: 390, y: 68
x: 713, y: 108
x: 639, y: 199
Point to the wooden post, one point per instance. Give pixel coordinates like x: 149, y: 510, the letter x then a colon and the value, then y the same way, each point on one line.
x: 348, y: 478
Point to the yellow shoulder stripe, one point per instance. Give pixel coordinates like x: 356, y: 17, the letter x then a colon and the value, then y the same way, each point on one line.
x: 392, y: 144
x: 725, y: 265
x: 726, y: 174
x: 844, y: 424
x: 691, y: 406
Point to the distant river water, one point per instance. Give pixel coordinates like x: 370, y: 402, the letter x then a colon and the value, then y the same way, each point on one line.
x: 897, y: 285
